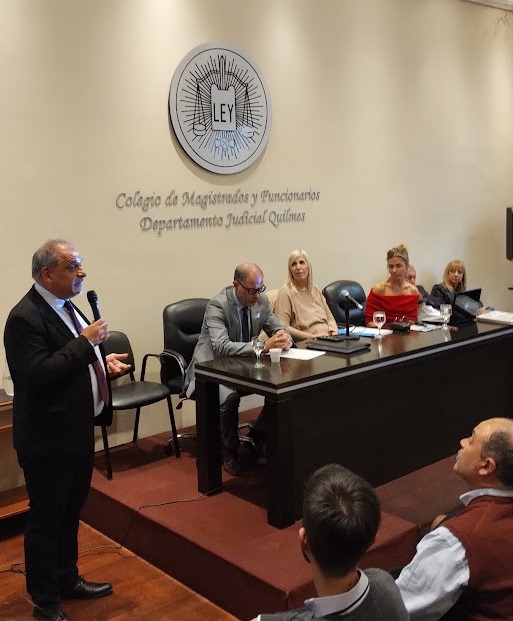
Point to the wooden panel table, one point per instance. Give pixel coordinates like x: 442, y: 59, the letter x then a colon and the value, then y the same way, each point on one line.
x: 383, y: 413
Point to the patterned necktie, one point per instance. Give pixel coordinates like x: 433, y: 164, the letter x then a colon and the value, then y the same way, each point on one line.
x: 245, y: 325
x: 97, y: 365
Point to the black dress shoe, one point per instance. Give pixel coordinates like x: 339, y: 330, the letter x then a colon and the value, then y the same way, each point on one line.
x: 87, y: 590
x: 231, y: 465
x: 49, y: 615
x: 257, y: 448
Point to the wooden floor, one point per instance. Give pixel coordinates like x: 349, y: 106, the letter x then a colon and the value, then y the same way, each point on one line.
x: 141, y: 591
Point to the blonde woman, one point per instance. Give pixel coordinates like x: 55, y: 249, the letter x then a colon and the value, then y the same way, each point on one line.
x: 454, y: 281
x: 396, y: 295
x: 300, y: 306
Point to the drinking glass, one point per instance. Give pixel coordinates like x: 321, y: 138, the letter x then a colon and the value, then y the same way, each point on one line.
x: 446, y: 312
x: 379, y: 349
x: 258, y: 346
x: 379, y: 318
x: 7, y: 383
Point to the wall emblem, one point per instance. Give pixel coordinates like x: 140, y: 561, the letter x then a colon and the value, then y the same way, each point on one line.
x: 220, y: 108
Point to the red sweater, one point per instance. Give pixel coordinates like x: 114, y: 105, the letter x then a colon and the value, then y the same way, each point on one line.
x: 395, y: 306
x: 485, y: 529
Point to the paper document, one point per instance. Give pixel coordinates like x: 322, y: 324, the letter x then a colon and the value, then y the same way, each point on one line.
x: 363, y: 331
x: 495, y: 316
x: 425, y: 327
x: 301, y: 354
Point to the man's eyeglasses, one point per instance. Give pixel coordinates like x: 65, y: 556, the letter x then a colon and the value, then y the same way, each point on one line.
x: 252, y: 291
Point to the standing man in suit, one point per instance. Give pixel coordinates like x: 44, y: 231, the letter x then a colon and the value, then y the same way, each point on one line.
x: 52, y: 352
x: 231, y: 318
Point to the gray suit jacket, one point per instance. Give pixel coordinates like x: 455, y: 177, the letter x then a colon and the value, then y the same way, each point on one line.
x: 218, y: 337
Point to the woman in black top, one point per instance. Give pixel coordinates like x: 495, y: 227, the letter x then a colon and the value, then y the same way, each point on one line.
x: 454, y: 281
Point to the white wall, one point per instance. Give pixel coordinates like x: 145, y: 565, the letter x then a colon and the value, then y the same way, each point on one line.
x: 399, y: 112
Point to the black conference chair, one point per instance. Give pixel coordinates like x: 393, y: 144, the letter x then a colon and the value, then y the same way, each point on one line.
x: 182, y: 326
x: 333, y: 295
x: 182, y: 323
x: 135, y: 394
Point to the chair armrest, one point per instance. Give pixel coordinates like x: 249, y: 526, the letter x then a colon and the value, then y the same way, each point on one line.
x: 175, y: 358
x: 145, y: 359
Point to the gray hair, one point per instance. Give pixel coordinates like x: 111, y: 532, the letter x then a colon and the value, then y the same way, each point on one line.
x: 47, y: 256
x: 499, y: 446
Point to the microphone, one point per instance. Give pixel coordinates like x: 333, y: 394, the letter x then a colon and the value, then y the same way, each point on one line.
x: 92, y: 298
x: 344, y: 293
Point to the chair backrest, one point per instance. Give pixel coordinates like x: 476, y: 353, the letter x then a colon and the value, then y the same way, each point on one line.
x: 118, y: 343
x: 182, y: 325
x: 333, y: 295
x: 272, y: 294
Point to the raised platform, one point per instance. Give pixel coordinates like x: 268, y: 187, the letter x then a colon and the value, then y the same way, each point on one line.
x: 221, y: 546
x: 422, y: 495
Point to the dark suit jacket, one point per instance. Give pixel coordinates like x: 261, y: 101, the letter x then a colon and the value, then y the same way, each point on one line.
x: 53, y: 409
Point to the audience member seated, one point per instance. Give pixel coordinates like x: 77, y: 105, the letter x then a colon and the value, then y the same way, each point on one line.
x: 300, y: 306
x: 341, y: 515
x: 464, y: 568
x: 232, y: 317
x: 395, y: 296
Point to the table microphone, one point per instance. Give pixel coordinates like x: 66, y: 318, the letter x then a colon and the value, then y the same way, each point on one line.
x: 344, y: 293
x: 92, y: 298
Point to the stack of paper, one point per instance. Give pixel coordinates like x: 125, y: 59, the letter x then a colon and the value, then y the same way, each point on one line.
x: 495, y: 316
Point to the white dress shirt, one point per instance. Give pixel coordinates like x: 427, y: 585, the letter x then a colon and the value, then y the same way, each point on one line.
x: 432, y: 583
x: 58, y: 306
x: 342, y: 603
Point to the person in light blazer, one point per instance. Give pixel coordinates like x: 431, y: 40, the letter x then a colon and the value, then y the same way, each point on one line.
x: 239, y: 310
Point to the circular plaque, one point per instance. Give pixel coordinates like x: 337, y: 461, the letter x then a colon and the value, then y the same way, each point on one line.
x: 220, y: 108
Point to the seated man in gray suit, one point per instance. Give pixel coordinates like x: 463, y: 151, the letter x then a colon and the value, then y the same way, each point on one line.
x: 231, y: 318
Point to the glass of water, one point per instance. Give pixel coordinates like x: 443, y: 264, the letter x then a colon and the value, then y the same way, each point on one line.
x: 379, y: 318
x: 446, y: 312
x: 7, y: 383
x: 258, y: 347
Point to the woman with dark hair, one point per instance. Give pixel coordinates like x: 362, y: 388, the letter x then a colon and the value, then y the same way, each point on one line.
x: 397, y: 297
x: 300, y: 306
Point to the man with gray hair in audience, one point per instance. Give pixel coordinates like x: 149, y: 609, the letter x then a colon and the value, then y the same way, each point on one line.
x: 463, y: 569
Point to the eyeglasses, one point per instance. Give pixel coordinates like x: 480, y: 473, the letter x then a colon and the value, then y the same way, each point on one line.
x: 252, y: 291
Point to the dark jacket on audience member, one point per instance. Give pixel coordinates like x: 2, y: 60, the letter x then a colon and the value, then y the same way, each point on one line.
x: 382, y: 603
